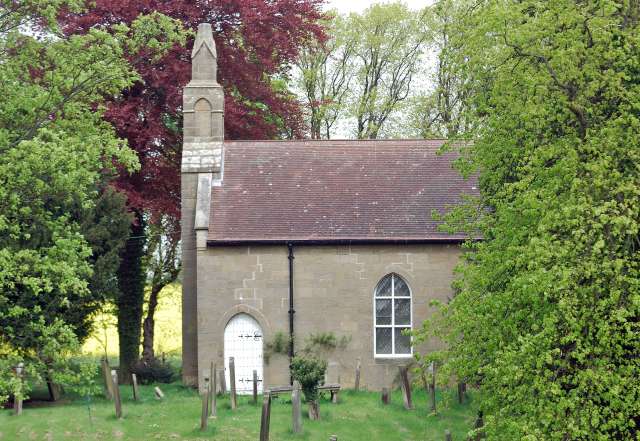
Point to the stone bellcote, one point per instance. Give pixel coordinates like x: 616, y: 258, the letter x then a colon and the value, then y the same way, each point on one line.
x: 203, y: 107
x: 203, y: 133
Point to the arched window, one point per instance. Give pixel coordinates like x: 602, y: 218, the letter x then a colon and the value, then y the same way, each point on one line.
x: 392, y: 317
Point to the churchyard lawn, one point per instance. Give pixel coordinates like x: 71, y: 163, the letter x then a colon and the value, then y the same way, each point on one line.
x: 358, y: 416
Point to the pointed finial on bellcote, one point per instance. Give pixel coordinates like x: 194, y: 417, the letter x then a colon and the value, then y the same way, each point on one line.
x: 204, y: 56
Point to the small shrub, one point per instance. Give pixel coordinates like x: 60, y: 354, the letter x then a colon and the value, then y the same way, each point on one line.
x: 280, y: 344
x: 309, y: 371
x: 154, y: 372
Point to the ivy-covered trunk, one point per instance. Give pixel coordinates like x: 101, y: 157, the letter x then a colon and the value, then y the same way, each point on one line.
x: 148, y: 325
x: 131, y: 281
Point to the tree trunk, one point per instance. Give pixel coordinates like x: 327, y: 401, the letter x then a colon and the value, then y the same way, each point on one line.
x: 314, y: 410
x: 131, y: 281
x: 148, y: 354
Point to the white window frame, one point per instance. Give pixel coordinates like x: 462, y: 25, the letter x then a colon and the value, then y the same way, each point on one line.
x: 392, y: 326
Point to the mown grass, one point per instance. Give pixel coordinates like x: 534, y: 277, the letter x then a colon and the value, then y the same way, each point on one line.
x: 358, y: 416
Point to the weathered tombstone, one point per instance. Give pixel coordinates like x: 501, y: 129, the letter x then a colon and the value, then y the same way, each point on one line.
x: 447, y: 435
x: 223, y: 382
x: 213, y: 411
x: 385, y: 395
x: 461, y: 392
x: 296, y: 408
x: 134, y: 385
x: 204, y: 414
x: 406, y: 388
x: 159, y: 394
x: 108, y: 382
x: 357, y: 385
x: 17, y: 399
x: 116, y: 393
x: 432, y: 387
x: 266, y: 416
x: 232, y: 381
x: 255, y: 387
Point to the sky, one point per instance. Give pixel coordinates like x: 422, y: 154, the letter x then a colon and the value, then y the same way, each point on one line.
x: 346, y: 6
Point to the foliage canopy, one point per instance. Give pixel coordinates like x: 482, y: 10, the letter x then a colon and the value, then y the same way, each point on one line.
x: 546, y: 319
x: 56, y: 153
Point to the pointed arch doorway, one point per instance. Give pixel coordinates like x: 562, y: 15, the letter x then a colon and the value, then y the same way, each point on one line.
x: 243, y: 339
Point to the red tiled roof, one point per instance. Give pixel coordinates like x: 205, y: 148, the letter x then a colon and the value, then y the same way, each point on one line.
x: 334, y: 191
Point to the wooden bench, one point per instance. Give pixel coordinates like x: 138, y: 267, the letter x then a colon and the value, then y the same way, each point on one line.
x: 334, y: 389
x: 275, y: 391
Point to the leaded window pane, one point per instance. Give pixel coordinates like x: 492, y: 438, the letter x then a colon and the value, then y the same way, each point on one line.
x: 400, y: 288
x: 402, y: 311
x: 384, y: 287
x: 403, y: 342
x: 383, y: 340
x: 383, y: 311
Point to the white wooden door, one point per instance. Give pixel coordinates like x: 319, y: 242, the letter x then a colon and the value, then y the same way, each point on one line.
x: 243, y: 341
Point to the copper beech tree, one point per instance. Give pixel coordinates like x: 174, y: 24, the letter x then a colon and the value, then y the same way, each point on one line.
x: 256, y: 40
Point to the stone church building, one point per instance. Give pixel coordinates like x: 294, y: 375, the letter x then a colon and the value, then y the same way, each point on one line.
x: 306, y: 237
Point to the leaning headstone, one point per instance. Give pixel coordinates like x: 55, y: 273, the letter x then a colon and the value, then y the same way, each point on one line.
x: 232, y: 381
x: 116, y: 393
x: 213, y: 411
x: 255, y: 387
x: 296, y: 408
x: 159, y: 394
x: 134, y: 385
x: 204, y: 414
x: 266, y: 416
x: 447, y: 435
x: 385, y: 395
x: 357, y: 385
x: 108, y: 382
x: 406, y: 388
x: 17, y: 400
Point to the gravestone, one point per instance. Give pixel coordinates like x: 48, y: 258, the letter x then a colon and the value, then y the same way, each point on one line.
x: 255, y: 387
x: 296, y: 408
x: 116, y: 394
x: 447, y: 435
x: 204, y: 414
x: 432, y: 387
x: 406, y: 388
x: 134, y: 385
x: 232, y: 381
x: 266, y: 416
x: 213, y: 411
x: 17, y: 400
x: 333, y: 438
x: 159, y: 394
x: 385, y: 395
x: 223, y: 382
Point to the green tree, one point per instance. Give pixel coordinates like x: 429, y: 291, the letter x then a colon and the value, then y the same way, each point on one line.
x: 390, y: 39
x: 547, y: 316
x: 325, y: 72
x: 55, y: 153
x: 442, y: 111
x: 363, y: 74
